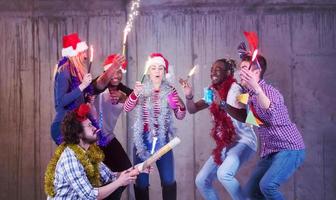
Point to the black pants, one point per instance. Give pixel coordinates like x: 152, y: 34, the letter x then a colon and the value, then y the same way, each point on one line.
x: 117, y: 160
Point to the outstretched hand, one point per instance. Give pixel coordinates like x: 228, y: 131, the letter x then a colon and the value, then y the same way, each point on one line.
x: 118, y: 61
x: 187, y: 89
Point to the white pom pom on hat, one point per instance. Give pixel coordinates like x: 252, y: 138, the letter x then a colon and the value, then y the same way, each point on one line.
x: 156, y: 58
x: 72, y: 45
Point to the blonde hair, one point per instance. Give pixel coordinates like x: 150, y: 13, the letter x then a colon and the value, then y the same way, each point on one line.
x: 75, y: 62
x: 76, y: 67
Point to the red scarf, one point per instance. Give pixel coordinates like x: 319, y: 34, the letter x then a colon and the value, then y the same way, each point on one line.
x: 223, y: 131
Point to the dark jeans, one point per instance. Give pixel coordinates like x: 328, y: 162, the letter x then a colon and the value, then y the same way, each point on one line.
x: 117, y: 160
x: 165, y: 166
x: 271, y: 171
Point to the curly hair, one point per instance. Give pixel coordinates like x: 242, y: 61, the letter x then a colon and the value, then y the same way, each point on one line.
x: 229, y: 64
x: 71, y: 128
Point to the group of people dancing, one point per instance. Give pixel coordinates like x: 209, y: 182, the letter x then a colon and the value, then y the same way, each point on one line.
x: 90, y: 162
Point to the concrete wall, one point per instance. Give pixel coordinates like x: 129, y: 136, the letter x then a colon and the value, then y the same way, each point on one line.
x: 297, y: 37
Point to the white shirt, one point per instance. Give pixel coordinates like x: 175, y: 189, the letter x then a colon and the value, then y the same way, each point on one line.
x: 244, y: 131
x: 108, y: 113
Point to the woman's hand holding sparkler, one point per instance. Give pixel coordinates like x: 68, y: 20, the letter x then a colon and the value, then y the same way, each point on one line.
x: 138, y: 88
x: 87, y: 79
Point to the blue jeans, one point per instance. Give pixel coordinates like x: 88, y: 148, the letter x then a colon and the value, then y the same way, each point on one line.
x: 233, y: 157
x: 165, y: 166
x: 271, y: 171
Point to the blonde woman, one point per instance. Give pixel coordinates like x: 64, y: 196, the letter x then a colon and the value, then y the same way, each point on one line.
x: 72, y: 82
x: 155, y: 102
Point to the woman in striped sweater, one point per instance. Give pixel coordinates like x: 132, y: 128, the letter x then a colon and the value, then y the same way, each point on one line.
x: 155, y: 102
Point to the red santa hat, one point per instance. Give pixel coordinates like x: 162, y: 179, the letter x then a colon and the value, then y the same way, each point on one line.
x: 158, y: 59
x: 82, y: 112
x: 72, y: 45
x: 109, y: 60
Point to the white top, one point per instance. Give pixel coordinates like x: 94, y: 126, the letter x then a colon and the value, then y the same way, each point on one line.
x: 108, y: 113
x: 244, y: 131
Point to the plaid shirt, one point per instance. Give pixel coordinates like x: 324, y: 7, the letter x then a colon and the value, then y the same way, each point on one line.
x: 278, y: 132
x: 71, y: 181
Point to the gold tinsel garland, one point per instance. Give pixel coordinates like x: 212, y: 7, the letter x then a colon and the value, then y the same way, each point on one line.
x: 89, y: 159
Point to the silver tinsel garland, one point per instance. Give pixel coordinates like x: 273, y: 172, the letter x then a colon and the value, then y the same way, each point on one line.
x: 164, y: 121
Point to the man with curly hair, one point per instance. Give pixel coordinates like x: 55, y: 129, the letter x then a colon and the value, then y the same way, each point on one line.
x: 76, y: 171
x: 235, y: 141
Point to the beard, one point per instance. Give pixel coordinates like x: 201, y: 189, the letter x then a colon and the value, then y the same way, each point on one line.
x: 90, y: 139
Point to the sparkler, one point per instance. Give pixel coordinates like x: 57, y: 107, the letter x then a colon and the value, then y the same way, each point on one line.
x: 145, y: 72
x: 191, y: 73
x: 134, y: 12
x: 254, y: 56
x: 91, y: 58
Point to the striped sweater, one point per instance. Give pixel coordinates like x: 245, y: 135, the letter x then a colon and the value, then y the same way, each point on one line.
x: 132, y: 101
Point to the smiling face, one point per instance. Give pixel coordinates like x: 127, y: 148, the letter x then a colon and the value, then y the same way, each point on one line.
x: 156, y: 73
x: 116, y: 78
x: 89, y: 134
x: 218, y: 73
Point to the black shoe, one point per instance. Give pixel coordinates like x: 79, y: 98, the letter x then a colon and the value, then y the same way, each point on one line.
x: 169, y: 192
x: 141, y: 193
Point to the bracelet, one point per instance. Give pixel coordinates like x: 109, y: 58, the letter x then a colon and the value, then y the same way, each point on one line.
x: 222, y: 105
x: 189, y: 97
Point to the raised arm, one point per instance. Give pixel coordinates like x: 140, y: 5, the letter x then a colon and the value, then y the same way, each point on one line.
x: 192, y: 107
x: 62, y: 84
x: 132, y: 100
x: 104, y: 79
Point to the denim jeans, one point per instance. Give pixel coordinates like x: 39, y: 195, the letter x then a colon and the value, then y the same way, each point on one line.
x: 165, y: 166
x: 271, y: 171
x: 233, y: 157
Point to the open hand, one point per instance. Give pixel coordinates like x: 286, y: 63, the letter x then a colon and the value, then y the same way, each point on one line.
x: 187, y: 89
x: 138, y: 88
x: 249, y: 78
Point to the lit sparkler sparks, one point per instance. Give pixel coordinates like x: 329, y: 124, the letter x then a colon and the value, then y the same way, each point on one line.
x: 192, y: 71
x: 254, y: 56
x: 133, y: 13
